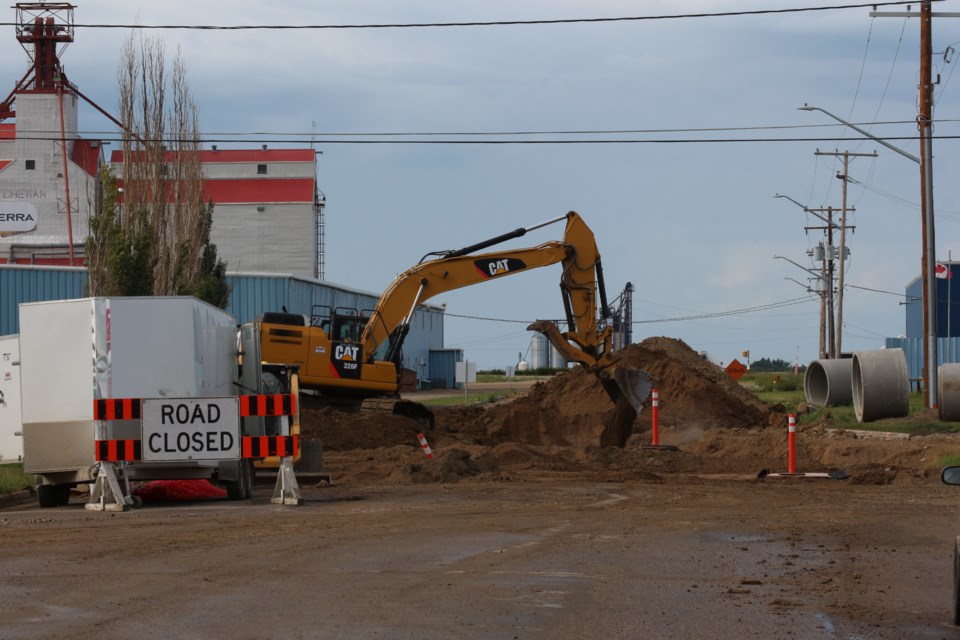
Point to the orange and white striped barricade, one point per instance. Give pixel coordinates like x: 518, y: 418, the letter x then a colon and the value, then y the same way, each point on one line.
x: 286, y: 447
x: 107, y: 494
x: 425, y: 446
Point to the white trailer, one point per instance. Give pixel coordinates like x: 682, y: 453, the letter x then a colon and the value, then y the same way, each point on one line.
x: 177, y: 355
x: 11, y: 427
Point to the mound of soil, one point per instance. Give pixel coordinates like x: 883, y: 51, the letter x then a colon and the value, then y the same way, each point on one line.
x: 341, y: 430
x: 568, y: 427
x: 567, y: 424
x: 572, y: 409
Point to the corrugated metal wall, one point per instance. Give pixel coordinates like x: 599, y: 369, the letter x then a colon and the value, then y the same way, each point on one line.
x: 251, y: 295
x: 947, y: 307
x: 948, y: 350
x: 254, y: 294
x: 35, y: 284
x: 443, y: 367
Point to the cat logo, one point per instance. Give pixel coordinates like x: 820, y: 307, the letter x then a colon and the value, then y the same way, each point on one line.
x: 346, y: 352
x: 496, y: 267
x: 346, y: 360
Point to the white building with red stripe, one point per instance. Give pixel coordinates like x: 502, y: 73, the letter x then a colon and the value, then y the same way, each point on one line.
x: 36, y: 216
x: 268, y: 212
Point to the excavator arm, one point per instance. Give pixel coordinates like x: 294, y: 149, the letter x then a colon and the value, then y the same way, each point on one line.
x: 581, y: 283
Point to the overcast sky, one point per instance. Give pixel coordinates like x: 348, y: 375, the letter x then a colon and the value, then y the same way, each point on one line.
x: 694, y: 226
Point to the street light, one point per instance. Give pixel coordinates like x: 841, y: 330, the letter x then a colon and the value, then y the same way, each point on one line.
x: 828, y: 328
x: 810, y: 271
x: 805, y: 286
x: 863, y: 132
x: 806, y: 210
x: 929, y: 247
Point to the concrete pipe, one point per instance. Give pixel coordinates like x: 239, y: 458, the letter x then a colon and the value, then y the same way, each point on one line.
x: 880, y: 385
x: 948, y: 392
x: 829, y: 382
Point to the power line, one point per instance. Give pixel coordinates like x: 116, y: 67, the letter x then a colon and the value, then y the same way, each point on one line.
x: 572, y: 132
x: 282, y: 136
x: 891, y: 293
x: 306, y: 141
x: 491, y: 23
x: 718, y: 314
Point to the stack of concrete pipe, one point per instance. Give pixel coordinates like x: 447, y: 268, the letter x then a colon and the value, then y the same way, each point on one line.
x: 829, y: 383
x: 875, y: 381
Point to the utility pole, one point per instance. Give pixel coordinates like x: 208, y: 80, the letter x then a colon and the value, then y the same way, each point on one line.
x: 823, y: 310
x: 843, y: 239
x: 826, y: 256
x: 929, y: 250
x: 925, y: 124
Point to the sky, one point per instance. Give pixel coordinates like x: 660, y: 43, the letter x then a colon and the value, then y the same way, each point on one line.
x: 693, y: 225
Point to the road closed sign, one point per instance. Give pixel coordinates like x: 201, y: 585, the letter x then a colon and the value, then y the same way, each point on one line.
x: 190, y: 429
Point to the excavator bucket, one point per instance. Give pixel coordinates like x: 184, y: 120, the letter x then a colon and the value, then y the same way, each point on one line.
x: 634, y: 385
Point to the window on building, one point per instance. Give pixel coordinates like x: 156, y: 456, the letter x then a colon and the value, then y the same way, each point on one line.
x: 261, y: 169
x: 31, y: 165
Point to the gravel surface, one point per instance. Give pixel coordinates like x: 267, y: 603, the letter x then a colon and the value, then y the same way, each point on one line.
x: 687, y: 557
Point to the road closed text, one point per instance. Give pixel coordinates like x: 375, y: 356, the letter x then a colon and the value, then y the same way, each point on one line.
x: 191, y: 429
x: 198, y: 442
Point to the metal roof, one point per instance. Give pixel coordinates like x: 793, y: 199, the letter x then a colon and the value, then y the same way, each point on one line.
x: 86, y: 154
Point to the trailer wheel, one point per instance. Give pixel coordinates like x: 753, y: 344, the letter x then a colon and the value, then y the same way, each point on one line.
x: 250, y: 475
x: 48, y: 495
x: 241, y: 488
x: 63, y: 494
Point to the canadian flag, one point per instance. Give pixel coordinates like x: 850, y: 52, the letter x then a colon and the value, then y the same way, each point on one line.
x: 942, y: 271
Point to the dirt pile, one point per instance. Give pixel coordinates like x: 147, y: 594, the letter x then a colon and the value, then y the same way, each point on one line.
x: 567, y: 424
x: 341, y: 430
x: 573, y: 409
x: 567, y: 427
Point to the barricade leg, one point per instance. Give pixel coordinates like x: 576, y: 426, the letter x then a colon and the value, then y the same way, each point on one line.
x: 106, y: 494
x: 286, y: 491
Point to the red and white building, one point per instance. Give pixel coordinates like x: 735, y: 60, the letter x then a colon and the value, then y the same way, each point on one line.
x: 268, y: 212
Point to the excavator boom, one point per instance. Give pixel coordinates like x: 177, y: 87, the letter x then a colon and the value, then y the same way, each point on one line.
x: 345, y: 366
x: 581, y: 281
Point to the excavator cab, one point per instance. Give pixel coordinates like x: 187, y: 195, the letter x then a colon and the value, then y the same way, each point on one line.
x: 341, y: 324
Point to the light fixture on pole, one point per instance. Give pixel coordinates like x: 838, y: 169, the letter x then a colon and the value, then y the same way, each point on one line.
x: 827, y: 326
x: 823, y: 288
x: 929, y: 251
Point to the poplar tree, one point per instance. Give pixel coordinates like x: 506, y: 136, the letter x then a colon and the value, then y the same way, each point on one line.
x: 153, y: 237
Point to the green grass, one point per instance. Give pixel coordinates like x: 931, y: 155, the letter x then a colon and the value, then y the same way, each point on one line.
x: 472, y: 398
x: 12, y: 478
x: 950, y: 461
x: 787, y: 389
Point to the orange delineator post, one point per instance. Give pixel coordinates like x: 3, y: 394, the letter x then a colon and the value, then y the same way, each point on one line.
x: 792, y: 444
x: 655, y: 417
x: 425, y: 446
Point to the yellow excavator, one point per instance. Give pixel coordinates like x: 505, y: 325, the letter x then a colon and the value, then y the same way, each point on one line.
x: 348, y: 358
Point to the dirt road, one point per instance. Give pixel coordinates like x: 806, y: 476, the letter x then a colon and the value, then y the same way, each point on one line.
x: 689, y: 557
x: 526, y: 524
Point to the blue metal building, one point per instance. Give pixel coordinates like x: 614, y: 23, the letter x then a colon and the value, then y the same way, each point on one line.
x: 947, y: 318
x: 251, y: 295
x: 947, y: 307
